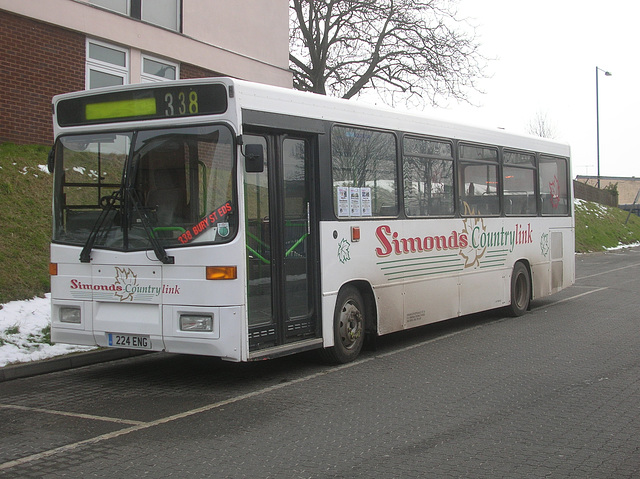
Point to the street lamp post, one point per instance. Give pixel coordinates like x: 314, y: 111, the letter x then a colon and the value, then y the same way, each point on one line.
x: 608, y: 74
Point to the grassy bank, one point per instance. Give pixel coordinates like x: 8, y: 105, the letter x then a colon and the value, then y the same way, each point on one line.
x: 25, y: 223
x: 599, y: 227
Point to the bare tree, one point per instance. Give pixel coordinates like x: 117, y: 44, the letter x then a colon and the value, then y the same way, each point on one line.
x: 541, y: 126
x: 414, y: 50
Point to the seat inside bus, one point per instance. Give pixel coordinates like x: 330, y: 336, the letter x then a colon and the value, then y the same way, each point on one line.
x: 163, y: 184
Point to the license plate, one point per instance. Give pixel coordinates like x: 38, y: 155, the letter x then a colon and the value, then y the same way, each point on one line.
x: 133, y: 341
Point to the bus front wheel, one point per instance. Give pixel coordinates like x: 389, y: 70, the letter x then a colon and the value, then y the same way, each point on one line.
x: 348, y: 326
x: 520, y: 290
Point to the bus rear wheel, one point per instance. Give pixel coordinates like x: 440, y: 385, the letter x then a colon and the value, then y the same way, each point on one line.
x: 348, y: 327
x: 520, y: 290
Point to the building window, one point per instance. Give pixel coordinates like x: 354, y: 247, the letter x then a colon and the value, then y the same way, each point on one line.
x: 120, y: 6
x: 107, y: 65
x: 155, y: 69
x: 164, y: 13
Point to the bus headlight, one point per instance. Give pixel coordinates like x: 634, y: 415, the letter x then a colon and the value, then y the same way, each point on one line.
x: 196, y: 322
x: 70, y: 314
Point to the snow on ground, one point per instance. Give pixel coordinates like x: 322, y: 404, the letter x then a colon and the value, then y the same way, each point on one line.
x: 623, y: 246
x: 599, y: 210
x: 25, y: 332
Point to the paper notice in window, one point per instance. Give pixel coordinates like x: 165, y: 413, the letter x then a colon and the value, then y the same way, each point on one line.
x: 355, y: 206
x: 343, y: 201
x: 365, y: 201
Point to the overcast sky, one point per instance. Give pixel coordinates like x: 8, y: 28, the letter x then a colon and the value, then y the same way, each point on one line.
x: 545, y: 56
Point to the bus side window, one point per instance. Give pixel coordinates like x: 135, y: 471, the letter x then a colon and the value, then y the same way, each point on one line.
x: 365, y: 159
x: 428, y: 177
x: 519, y: 179
x: 478, y: 180
x: 554, y: 194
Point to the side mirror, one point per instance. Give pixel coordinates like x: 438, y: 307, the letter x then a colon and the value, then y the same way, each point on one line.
x: 51, y: 159
x: 253, y: 158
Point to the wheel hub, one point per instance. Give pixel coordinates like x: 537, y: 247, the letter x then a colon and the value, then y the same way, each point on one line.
x: 350, y: 325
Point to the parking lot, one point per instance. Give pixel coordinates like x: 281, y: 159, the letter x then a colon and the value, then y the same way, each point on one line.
x: 553, y: 393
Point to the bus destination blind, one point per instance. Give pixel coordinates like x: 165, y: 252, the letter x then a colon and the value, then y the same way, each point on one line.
x: 145, y: 104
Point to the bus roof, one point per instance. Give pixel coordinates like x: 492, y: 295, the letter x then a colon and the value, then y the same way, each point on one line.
x: 260, y: 97
x: 278, y: 100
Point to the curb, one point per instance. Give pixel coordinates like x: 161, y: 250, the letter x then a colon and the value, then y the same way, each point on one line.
x: 78, y: 360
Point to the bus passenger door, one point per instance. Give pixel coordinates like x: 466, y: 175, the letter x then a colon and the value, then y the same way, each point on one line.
x: 281, y: 245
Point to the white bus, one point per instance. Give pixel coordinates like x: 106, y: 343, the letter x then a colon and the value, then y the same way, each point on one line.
x: 225, y: 218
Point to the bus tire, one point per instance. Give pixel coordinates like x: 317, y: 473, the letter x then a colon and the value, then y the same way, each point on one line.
x: 520, y: 290
x: 348, y: 327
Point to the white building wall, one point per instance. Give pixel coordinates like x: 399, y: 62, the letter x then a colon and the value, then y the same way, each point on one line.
x: 256, y: 28
x: 246, y: 39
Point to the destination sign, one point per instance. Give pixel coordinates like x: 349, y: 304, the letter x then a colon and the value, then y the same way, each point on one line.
x: 143, y: 104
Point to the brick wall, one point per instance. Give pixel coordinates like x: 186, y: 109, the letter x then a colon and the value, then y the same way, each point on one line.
x: 591, y: 193
x: 37, y: 61
x: 188, y: 70
x: 627, y: 187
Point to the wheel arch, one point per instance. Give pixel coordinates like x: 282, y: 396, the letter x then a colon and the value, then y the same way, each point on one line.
x: 371, y: 307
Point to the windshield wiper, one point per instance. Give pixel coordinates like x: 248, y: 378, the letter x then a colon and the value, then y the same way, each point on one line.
x: 108, y: 203
x: 158, y: 249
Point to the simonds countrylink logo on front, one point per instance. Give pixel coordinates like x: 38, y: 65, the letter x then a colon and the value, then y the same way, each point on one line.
x: 125, y: 287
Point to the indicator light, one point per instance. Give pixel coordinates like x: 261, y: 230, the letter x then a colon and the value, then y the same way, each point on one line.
x: 222, y: 272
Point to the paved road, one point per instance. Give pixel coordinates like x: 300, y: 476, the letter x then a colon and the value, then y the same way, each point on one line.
x: 554, y: 393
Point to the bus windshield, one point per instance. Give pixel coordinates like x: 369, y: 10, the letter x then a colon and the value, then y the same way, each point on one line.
x: 136, y: 190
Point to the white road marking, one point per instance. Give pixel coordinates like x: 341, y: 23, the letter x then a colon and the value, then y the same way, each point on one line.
x: 71, y: 414
x: 568, y: 299
x: 608, y: 271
